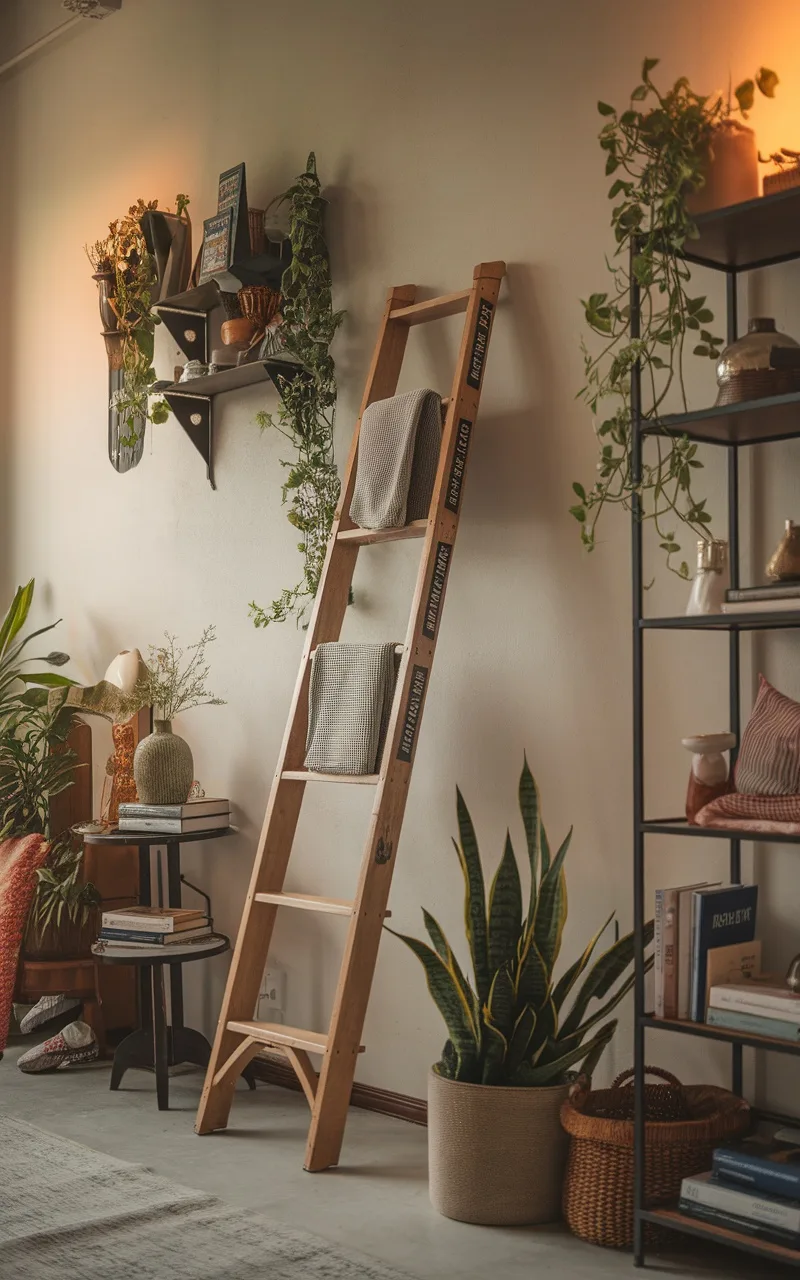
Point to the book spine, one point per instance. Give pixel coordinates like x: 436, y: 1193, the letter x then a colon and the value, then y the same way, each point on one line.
x: 167, y: 825
x: 772, y: 1177
x: 754, y: 1024
x: 131, y: 924
x: 684, y: 953
x: 694, y: 950
x: 745, y: 1002
x: 715, y: 1195
x: 736, y: 595
x: 132, y: 935
x: 704, y: 1213
x: 658, y: 963
x: 670, y: 953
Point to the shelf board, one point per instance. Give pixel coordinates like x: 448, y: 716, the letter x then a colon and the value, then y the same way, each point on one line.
x: 215, y: 384
x: 202, y: 299
x: 680, y: 827
x: 749, y: 422
x: 722, y: 1235
x: 757, y: 233
x: 707, y: 1032
x: 778, y: 620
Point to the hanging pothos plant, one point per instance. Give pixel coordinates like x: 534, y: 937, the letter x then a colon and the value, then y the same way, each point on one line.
x: 124, y: 253
x: 308, y: 399
x: 657, y: 150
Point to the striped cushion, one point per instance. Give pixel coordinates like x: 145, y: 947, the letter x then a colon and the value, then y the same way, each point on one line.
x: 769, y: 759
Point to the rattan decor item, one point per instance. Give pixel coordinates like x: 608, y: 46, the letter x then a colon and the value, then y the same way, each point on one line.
x: 598, y: 1187
x: 784, y: 180
x: 259, y: 304
x: 754, y: 384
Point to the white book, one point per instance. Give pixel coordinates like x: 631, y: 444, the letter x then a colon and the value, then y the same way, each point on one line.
x: 705, y: 1190
x: 781, y: 604
x: 770, y: 999
x: 176, y: 826
x: 191, y: 809
x: 148, y: 920
x: 685, y: 947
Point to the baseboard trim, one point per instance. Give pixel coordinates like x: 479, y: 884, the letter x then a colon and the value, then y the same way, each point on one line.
x: 273, y: 1068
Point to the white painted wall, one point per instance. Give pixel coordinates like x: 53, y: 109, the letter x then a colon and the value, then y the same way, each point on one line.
x: 446, y: 133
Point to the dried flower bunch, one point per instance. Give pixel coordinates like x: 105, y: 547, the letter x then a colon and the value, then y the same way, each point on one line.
x: 175, y: 679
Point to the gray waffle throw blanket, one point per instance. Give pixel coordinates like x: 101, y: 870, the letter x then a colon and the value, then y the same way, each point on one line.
x: 349, y: 703
x: 398, y: 452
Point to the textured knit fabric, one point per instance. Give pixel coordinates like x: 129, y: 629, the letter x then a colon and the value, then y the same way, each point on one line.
x: 20, y: 859
x: 72, y: 1045
x: 769, y: 758
x: 69, y: 1211
x: 776, y: 814
x: 349, y: 703
x: 398, y: 452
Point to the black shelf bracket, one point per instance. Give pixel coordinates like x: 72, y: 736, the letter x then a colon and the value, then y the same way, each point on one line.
x: 194, y: 414
x: 189, y: 329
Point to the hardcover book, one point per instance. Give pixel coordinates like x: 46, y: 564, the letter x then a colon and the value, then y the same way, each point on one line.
x: 745, y: 1226
x: 764, y: 994
x: 761, y: 1163
x: 176, y: 826
x: 128, y: 936
x: 749, y: 1206
x: 668, y: 944
x: 153, y: 919
x: 720, y: 917
x: 753, y: 1024
x: 731, y: 964
x: 191, y: 809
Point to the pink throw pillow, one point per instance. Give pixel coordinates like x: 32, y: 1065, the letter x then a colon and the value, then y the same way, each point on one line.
x: 769, y: 758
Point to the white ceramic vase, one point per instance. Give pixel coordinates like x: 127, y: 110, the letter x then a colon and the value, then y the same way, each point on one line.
x: 711, y: 580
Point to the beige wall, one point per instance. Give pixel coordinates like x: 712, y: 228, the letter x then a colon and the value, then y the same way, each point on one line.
x: 446, y: 133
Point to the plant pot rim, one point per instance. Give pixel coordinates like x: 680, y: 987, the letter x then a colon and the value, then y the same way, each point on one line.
x: 510, y: 1090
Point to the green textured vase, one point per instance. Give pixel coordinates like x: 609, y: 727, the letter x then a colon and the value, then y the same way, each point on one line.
x: 163, y: 767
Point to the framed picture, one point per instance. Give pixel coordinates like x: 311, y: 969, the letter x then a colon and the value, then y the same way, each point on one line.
x: 217, y: 252
x: 232, y: 194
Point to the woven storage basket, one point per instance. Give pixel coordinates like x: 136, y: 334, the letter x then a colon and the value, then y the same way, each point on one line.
x: 598, y: 1188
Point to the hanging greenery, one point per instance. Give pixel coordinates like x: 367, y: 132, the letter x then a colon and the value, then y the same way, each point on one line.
x: 657, y: 150
x: 124, y: 252
x: 308, y: 398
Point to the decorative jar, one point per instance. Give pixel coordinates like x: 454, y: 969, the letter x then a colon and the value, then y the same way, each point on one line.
x: 163, y: 767
x: 711, y: 579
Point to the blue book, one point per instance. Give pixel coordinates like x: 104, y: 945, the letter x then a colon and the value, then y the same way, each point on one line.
x: 720, y: 917
x: 753, y: 1023
x: 762, y: 1164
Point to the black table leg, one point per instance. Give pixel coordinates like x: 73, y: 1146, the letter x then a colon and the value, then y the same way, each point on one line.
x: 160, y: 1047
x: 175, y: 970
x: 144, y: 901
x: 136, y: 1050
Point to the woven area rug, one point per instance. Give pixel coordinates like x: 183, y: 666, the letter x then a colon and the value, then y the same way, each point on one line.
x: 66, y: 1210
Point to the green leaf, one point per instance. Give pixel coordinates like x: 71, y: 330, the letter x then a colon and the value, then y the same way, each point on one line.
x: 531, y: 810
x: 639, y: 93
x: 505, y: 910
x: 521, y: 1037
x: 445, y: 951
x: 551, y: 1071
x: 451, y: 1004
x: 16, y: 616
x: 767, y: 81
x: 579, y: 490
x: 499, y: 1008
x: 601, y: 978
x: 532, y: 981
x: 551, y: 908
x: 475, y: 898
x: 611, y: 165
x: 494, y: 1055
x: 605, y: 109
x: 647, y: 67
x: 745, y: 95
x: 568, y: 979
x: 46, y: 678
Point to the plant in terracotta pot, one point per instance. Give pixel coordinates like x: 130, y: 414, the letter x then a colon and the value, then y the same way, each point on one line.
x: 516, y: 1032
x: 173, y: 681
x: 659, y: 152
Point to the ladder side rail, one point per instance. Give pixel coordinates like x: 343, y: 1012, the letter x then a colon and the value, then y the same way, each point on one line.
x: 286, y: 795
x: 364, y: 933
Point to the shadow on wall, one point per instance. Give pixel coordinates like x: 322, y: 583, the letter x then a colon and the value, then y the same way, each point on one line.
x: 9, y: 274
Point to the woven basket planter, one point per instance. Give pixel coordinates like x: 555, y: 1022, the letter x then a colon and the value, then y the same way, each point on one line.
x: 598, y: 1187
x: 496, y: 1155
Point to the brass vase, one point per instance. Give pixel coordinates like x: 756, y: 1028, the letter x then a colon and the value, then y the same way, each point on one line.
x: 784, y: 565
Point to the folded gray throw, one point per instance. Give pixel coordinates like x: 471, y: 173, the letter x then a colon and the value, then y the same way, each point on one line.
x: 398, y: 452
x: 349, y: 703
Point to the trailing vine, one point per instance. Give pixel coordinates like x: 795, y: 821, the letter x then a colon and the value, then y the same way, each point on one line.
x: 656, y: 149
x: 308, y: 398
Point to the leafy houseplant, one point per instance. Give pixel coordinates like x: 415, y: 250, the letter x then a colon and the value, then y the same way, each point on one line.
x: 657, y: 152
x: 495, y: 1143
x: 308, y: 398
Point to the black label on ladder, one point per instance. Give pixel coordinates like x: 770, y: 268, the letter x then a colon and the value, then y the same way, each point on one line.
x: 456, y: 478
x: 479, y: 343
x: 441, y: 564
x: 416, y: 692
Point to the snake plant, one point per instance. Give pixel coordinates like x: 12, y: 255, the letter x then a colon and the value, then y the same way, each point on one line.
x: 516, y: 1024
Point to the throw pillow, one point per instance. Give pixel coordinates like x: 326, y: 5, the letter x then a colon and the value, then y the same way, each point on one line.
x: 769, y: 758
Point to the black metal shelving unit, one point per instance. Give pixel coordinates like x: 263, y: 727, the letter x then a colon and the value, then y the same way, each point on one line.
x: 741, y: 238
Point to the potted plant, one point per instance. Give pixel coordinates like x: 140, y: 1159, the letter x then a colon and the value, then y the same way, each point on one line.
x: 666, y: 153
x: 516, y: 1032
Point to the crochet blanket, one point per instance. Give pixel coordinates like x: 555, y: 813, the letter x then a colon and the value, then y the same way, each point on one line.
x: 398, y: 453
x: 349, y: 703
x: 20, y: 859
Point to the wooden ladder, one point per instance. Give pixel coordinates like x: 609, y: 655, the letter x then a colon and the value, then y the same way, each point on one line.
x: 238, y: 1037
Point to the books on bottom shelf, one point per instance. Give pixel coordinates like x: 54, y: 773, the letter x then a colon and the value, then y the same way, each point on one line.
x: 709, y: 1198
x: 176, y: 819
x: 153, y: 927
x: 127, y: 939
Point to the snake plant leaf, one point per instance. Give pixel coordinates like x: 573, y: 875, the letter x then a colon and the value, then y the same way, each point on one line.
x: 443, y: 948
x: 533, y: 977
x: 576, y: 1037
x: 475, y: 900
x: 505, y: 910
x: 520, y: 1042
x: 531, y: 810
x: 552, y: 1070
x: 496, y: 1048
x: 450, y: 1002
x: 447, y: 1065
x: 15, y: 618
x: 568, y: 979
x: 551, y: 908
x: 602, y: 976
x: 499, y: 1008
x: 546, y: 1023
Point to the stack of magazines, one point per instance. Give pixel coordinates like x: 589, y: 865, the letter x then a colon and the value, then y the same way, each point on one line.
x: 150, y: 927
x: 753, y: 1187
x: 176, y: 819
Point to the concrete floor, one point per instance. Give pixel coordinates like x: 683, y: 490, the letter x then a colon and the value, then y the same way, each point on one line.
x: 376, y: 1201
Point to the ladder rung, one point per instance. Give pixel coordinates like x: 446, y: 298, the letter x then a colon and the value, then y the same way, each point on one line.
x: 308, y: 775
x: 308, y: 902
x: 275, y: 1033
x: 433, y: 309
x: 364, y: 537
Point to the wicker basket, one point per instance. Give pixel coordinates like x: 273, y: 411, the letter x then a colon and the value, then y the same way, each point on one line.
x: 598, y: 1188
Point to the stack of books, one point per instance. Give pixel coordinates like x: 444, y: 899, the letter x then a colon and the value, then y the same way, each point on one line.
x: 150, y: 927
x: 761, y: 1006
x: 753, y: 1187
x: 778, y: 597
x: 704, y: 936
x: 176, y: 819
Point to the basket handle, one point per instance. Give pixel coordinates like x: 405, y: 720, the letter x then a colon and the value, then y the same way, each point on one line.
x: 624, y: 1076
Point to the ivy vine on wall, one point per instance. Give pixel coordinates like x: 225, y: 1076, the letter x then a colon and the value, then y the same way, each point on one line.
x: 308, y: 399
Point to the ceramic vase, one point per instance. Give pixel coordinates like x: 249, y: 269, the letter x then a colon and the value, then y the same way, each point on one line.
x: 711, y: 579
x: 731, y: 169
x: 708, y: 779
x: 163, y: 767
